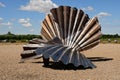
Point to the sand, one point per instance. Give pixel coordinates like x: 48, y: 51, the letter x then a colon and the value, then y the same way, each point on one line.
x: 105, y: 56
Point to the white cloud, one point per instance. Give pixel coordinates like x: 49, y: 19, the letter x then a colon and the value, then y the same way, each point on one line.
x: 1, y: 19
x: 9, y: 27
x: 32, y: 30
x: 6, y: 24
x: 25, y: 22
x: 2, y: 23
x: 89, y: 8
x: 2, y: 5
x: 102, y: 14
x: 42, y: 6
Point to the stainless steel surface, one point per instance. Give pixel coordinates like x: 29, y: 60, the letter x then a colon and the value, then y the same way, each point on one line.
x: 75, y: 32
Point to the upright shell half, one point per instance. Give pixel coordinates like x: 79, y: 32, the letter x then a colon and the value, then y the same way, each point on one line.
x: 75, y: 32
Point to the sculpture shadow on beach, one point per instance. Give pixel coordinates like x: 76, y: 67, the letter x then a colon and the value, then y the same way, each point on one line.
x: 99, y: 59
x: 61, y: 66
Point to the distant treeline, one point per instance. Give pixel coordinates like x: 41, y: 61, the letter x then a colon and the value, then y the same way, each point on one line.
x: 107, y: 38
x: 110, y: 36
x: 9, y: 37
x: 18, y: 37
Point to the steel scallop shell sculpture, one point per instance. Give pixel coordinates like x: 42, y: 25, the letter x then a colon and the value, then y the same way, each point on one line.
x: 69, y: 31
x: 76, y: 32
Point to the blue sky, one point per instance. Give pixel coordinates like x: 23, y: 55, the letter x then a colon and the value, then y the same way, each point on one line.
x: 25, y: 16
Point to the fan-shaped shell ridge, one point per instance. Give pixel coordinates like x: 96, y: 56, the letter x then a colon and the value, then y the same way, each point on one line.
x: 75, y: 30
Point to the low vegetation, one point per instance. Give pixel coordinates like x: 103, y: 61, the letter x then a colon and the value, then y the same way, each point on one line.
x: 107, y: 38
x: 9, y: 37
